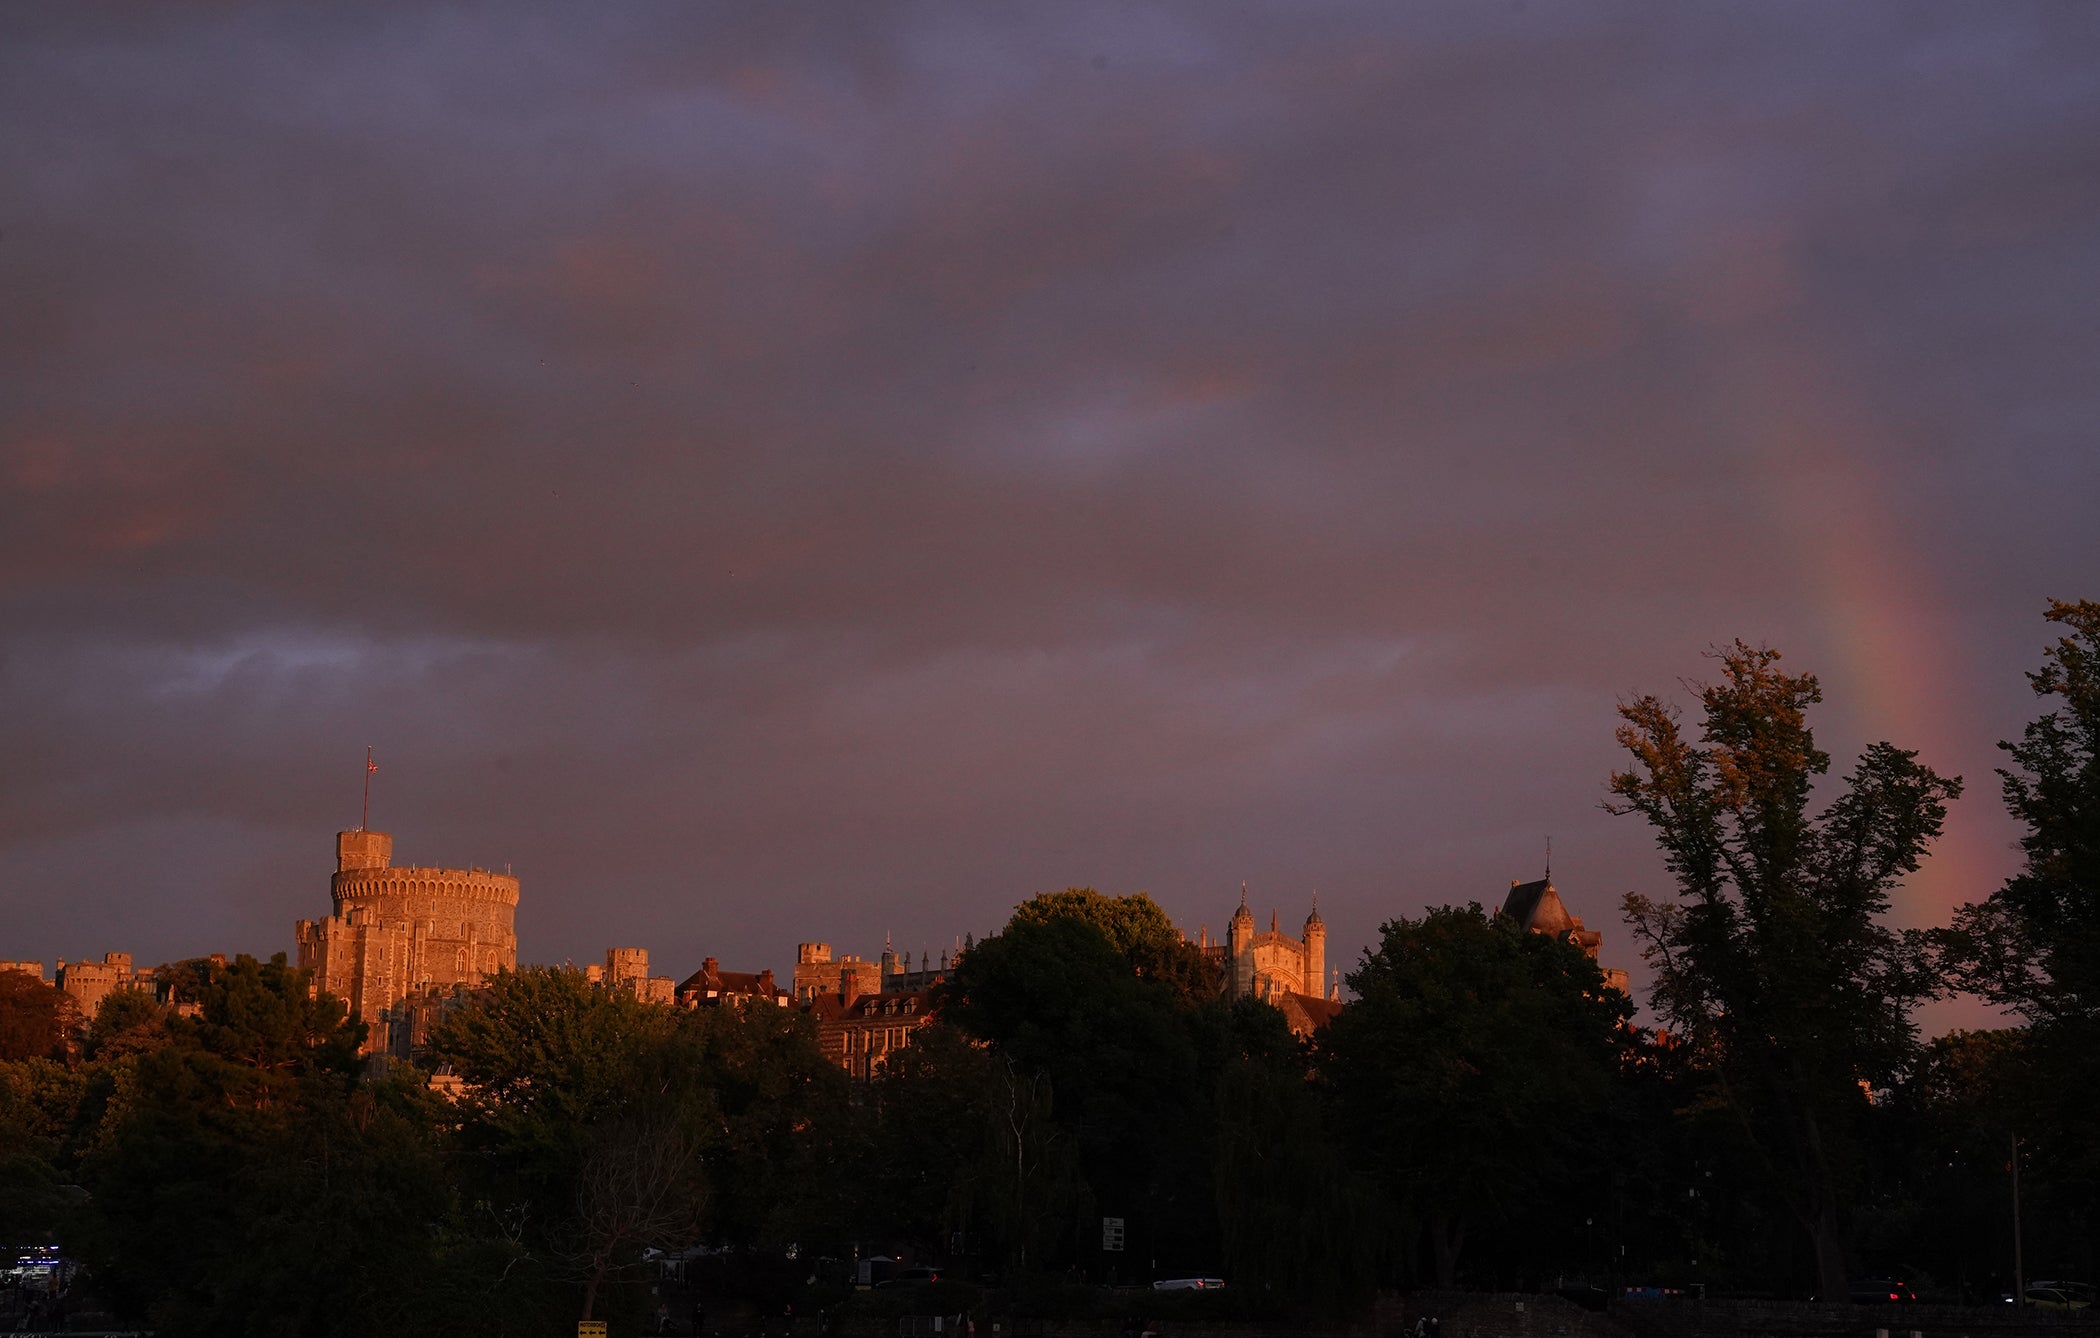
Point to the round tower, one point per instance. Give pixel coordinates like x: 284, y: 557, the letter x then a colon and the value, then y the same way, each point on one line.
x: 400, y: 930
x: 455, y: 926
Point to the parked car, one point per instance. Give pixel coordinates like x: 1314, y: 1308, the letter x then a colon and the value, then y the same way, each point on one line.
x: 1188, y: 1284
x: 2059, y: 1296
x: 911, y: 1277
x: 1882, y: 1291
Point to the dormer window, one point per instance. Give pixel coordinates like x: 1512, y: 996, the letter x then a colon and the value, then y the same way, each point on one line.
x: 911, y: 1005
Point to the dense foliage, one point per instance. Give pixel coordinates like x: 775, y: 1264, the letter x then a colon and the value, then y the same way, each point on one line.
x: 1772, y: 960
x: 1483, y: 1113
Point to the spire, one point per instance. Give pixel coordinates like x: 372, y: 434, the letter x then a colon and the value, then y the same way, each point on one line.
x: 1549, y: 860
x: 1243, y: 894
x: 1272, y: 920
x: 1314, y: 920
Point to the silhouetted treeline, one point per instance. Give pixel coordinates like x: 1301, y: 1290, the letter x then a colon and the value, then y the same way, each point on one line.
x: 1484, y: 1112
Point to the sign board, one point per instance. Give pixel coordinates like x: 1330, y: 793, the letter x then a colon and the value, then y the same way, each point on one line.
x: 1111, y: 1233
x: 590, y: 1328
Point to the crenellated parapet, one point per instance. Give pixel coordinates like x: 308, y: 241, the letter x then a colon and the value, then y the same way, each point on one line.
x: 354, y: 885
x: 403, y: 930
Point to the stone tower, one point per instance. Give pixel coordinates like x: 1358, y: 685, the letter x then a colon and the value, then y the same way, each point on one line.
x: 1239, y: 950
x: 406, y: 930
x: 1269, y: 964
x: 1315, y: 951
x: 1286, y: 972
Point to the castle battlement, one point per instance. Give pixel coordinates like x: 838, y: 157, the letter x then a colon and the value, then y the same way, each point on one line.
x: 408, y: 929
x: 418, y: 881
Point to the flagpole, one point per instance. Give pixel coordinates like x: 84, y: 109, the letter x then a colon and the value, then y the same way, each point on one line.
x: 365, y: 819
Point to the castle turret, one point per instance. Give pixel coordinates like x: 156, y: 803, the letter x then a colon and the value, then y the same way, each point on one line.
x: 1239, y: 950
x: 360, y: 849
x: 1315, y: 948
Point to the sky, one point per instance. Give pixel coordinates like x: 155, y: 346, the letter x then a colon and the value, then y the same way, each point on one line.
x: 768, y: 473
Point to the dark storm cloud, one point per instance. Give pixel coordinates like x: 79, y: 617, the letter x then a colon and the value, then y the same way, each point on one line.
x: 779, y: 473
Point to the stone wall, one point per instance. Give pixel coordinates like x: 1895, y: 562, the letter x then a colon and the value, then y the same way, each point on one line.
x: 406, y: 930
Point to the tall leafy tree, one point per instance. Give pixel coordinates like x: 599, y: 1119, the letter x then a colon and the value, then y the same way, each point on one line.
x: 226, y: 1160
x: 1772, y: 958
x: 1296, y: 1218
x: 1470, y: 1066
x: 2033, y: 946
x: 605, y: 1126
x: 965, y: 1150
x: 1138, y: 929
x: 1114, y: 1046
x: 36, y: 1019
x: 548, y: 1061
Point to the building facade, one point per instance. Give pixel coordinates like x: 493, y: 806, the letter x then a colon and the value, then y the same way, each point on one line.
x: 859, y: 1034
x: 402, y: 931
x: 91, y: 982
x: 1289, y: 973
x: 712, y: 987
x: 1538, y: 908
x: 626, y: 971
x: 818, y: 974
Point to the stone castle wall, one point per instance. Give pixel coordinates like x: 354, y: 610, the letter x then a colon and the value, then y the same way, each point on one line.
x: 462, y: 922
x: 406, y: 930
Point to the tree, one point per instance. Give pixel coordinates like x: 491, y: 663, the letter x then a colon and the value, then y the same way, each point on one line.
x: 1772, y: 960
x: 2033, y: 946
x: 263, y: 1017
x: 639, y: 1189
x: 225, y: 1161
x: 1138, y: 929
x: 965, y: 1143
x: 769, y: 1111
x: 126, y: 1022
x: 39, y: 1100
x: 605, y: 1125
x: 1469, y: 1066
x: 546, y: 1059
x: 36, y: 1019
x: 1295, y: 1216
x: 1116, y: 1050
